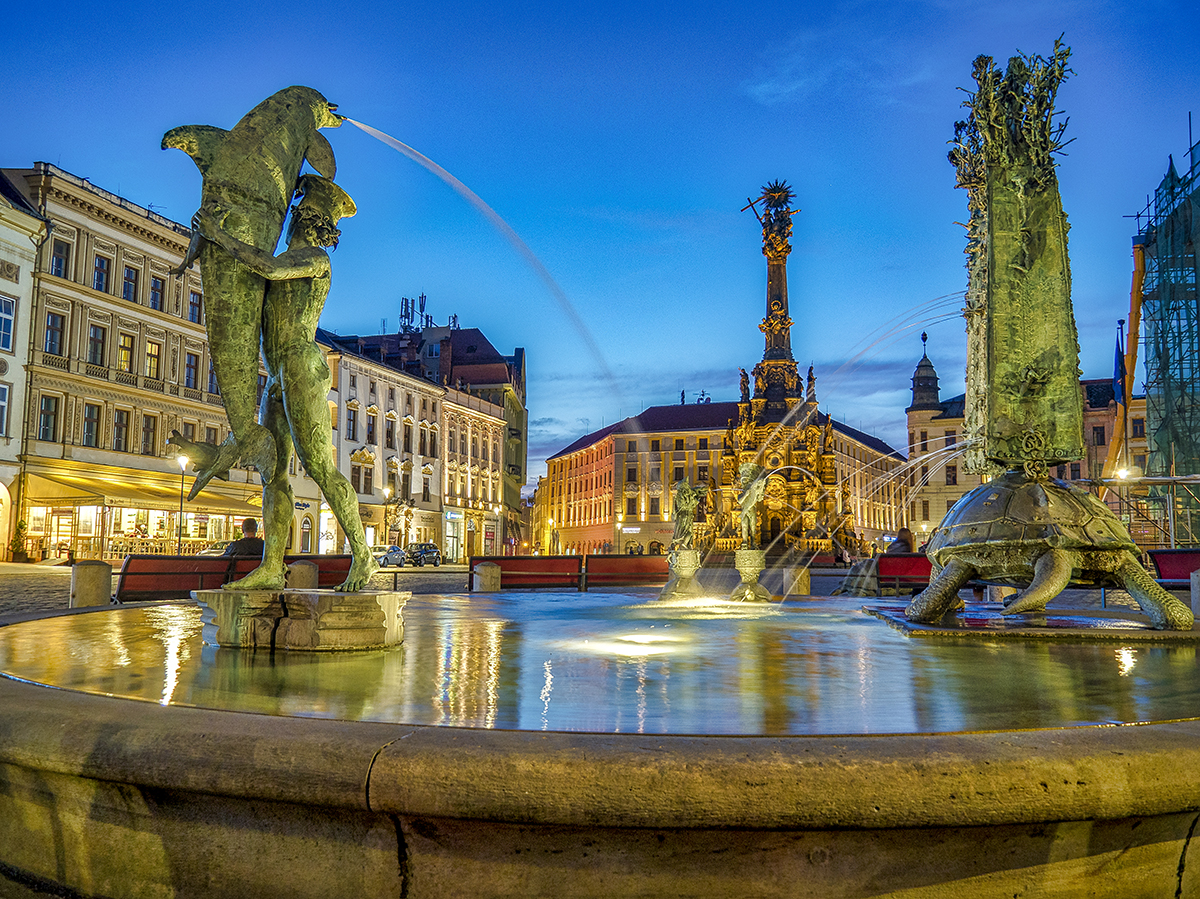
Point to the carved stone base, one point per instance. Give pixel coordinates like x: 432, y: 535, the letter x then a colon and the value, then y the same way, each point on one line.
x: 682, y: 582
x: 750, y: 564
x: 314, y: 620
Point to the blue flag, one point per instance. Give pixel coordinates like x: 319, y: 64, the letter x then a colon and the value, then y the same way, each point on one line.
x: 1119, y: 373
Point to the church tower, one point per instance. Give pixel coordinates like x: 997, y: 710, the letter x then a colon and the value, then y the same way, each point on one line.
x: 925, y: 391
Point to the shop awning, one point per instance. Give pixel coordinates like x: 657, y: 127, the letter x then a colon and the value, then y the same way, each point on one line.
x: 69, y: 489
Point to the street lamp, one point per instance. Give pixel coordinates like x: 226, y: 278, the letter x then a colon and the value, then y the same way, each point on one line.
x: 183, y: 461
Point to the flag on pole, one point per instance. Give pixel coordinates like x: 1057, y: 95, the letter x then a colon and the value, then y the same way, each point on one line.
x: 1119, y: 371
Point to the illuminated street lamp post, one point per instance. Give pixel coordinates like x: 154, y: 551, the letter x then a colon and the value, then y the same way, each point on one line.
x: 183, y: 461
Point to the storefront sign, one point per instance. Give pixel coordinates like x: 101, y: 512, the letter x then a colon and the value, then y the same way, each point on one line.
x: 454, y: 516
x: 303, y: 505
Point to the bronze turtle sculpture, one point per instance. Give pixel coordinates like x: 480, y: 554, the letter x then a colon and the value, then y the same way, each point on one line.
x: 1040, y: 534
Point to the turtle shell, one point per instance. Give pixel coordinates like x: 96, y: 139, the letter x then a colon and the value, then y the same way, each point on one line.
x: 1014, y: 515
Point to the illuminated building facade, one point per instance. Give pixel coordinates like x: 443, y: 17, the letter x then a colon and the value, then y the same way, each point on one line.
x: 117, y: 358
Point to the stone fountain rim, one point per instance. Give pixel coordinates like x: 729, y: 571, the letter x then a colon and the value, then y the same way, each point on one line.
x: 609, y: 780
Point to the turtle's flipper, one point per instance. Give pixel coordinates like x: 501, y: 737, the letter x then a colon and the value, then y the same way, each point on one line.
x: 1051, y: 574
x: 1164, y: 610
x: 936, y: 599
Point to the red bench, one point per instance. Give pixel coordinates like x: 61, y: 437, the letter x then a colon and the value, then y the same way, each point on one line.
x: 1175, y: 566
x: 902, y: 571
x: 523, y: 572
x: 146, y: 577
x: 624, y: 571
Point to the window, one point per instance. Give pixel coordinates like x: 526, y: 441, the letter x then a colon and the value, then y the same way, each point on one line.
x: 433, y: 409
x: 156, y: 293
x: 100, y: 274
x: 189, y: 431
x: 96, y: 337
x: 1139, y: 459
x: 213, y: 387
x: 408, y: 438
x: 925, y: 510
x: 678, y: 474
x: 368, y: 479
x: 924, y: 474
x: 951, y: 475
x: 678, y: 443
x: 60, y: 259
x: 210, y: 435
x: 389, y: 434
x: 353, y: 381
x: 129, y: 284
x: 1098, y: 435
x: 474, y: 447
x: 356, y: 478
x: 48, y: 418
x: 925, y: 443
x: 1061, y: 472
x: 262, y: 386
x: 654, y: 505
x: 425, y: 490
x: 191, y: 371
x: 125, y: 352
x: 54, y: 334
x: 8, y: 314
x: 951, y: 438
x: 1138, y: 428
x: 655, y: 446
x: 703, y: 443
x: 631, y: 446
x: 121, y: 430
x: 433, y: 443
x: 391, y: 396
x: 462, y: 442
x: 631, y: 475
x: 371, y: 429
x: 405, y: 485
x: 149, y: 435
x: 1074, y: 471
x: 949, y: 504
x: 631, y: 506
x: 91, y: 424
x: 195, y: 299
x: 655, y: 475
x: 702, y: 473
x: 153, y: 359
x: 351, y: 424
x: 371, y: 387
x: 423, y: 441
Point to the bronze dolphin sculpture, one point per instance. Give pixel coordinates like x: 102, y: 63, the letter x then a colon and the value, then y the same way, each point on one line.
x: 250, y: 174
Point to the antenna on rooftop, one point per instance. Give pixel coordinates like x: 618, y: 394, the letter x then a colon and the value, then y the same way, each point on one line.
x: 383, y: 325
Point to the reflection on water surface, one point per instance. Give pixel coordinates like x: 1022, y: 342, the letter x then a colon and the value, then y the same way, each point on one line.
x: 620, y: 663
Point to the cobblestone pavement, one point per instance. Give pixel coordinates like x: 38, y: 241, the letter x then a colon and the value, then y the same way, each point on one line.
x: 35, y: 588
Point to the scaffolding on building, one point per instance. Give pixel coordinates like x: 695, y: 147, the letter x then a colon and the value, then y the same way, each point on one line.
x: 1167, y: 230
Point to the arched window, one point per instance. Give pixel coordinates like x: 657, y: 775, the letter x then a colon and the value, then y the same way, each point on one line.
x: 306, y: 527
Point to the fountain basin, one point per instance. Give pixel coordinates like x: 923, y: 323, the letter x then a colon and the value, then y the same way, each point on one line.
x: 119, y: 797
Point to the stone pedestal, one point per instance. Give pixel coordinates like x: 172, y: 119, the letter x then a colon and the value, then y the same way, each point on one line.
x: 750, y: 564
x: 314, y: 620
x: 487, y: 578
x: 91, y: 584
x: 682, y: 582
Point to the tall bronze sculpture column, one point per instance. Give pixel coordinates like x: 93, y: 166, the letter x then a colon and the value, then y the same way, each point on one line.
x: 1024, y: 409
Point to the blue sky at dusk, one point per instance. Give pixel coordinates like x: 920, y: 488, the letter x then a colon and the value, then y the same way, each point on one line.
x: 620, y: 142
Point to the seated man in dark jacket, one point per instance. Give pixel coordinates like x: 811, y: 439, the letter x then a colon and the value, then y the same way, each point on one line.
x: 250, y: 544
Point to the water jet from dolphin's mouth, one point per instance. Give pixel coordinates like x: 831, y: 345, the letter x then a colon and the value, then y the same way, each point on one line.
x: 509, y: 234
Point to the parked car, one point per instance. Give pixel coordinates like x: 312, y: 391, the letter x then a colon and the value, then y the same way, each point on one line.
x: 389, y: 555
x: 217, y: 549
x: 422, y: 553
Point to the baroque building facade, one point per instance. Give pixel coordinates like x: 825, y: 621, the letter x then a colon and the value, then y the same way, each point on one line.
x: 105, y: 353
x: 935, y: 478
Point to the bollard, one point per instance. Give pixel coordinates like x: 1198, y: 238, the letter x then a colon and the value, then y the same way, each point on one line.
x: 797, y: 582
x: 91, y: 584
x: 302, y: 575
x: 486, y: 579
